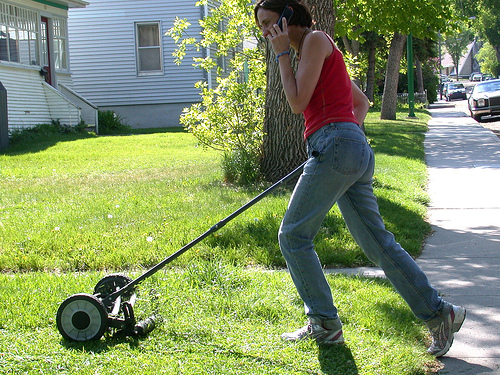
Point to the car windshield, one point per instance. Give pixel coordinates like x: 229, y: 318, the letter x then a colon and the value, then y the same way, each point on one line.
x: 491, y: 86
x: 456, y: 86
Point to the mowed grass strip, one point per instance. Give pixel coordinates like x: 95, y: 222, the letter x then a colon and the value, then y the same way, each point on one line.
x: 215, y: 319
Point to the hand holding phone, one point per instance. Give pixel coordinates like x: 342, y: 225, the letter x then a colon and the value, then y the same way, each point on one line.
x: 287, y: 13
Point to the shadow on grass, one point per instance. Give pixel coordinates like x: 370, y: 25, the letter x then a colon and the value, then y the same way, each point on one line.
x: 103, y: 345
x: 31, y: 143
x: 336, y: 360
x: 405, y: 224
x: 334, y: 244
x: 39, y: 143
x: 333, y: 359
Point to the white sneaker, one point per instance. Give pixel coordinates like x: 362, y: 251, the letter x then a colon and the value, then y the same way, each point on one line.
x: 315, y: 329
x: 444, y: 329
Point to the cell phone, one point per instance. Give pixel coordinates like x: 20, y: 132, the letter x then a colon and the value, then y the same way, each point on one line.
x: 287, y: 13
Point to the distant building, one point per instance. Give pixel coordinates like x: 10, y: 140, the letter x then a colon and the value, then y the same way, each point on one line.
x: 468, y: 63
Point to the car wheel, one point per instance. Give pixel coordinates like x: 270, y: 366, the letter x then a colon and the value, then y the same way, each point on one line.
x: 477, y: 118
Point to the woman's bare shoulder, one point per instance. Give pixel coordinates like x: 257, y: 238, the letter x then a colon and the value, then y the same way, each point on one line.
x: 320, y: 41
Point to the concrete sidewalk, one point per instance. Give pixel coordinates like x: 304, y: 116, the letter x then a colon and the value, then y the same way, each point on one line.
x: 462, y: 256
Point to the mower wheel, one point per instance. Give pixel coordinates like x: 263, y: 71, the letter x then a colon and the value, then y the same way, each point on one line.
x: 111, y: 283
x: 82, y: 317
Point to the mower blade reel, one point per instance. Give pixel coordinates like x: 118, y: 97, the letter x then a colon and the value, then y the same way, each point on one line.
x: 111, y: 284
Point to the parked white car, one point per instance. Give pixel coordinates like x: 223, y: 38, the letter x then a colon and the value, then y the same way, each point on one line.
x: 484, y: 99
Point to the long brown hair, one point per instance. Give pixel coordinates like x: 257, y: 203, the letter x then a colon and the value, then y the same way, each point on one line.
x: 301, y: 13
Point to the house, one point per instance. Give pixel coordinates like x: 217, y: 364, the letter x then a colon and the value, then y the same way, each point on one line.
x: 122, y: 60
x: 34, y: 64
x: 467, y: 64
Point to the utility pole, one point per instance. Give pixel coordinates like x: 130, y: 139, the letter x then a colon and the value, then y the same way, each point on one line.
x: 440, y: 67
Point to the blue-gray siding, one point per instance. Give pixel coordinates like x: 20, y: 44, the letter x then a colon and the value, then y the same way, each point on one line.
x: 102, y: 53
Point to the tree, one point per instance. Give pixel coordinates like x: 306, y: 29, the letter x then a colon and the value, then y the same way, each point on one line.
x: 485, y: 16
x: 374, y: 43
x: 456, y: 44
x: 424, y: 50
x: 390, y: 97
x: 396, y: 20
x: 283, y: 146
x: 422, y: 19
x: 487, y: 57
x: 489, y: 24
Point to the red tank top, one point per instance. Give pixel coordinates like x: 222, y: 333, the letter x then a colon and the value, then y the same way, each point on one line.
x: 332, y: 98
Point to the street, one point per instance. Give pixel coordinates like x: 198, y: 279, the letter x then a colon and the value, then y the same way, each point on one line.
x: 462, y: 106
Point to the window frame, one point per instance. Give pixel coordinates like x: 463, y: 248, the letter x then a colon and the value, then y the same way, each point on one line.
x: 138, y: 49
x: 60, y: 43
x: 19, y: 21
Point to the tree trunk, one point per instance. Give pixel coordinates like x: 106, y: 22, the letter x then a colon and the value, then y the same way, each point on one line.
x: 456, y: 62
x: 283, y: 146
x: 370, y: 74
x: 390, y: 97
x: 353, y: 47
x: 323, y: 15
x: 497, y: 50
x: 420, y: 76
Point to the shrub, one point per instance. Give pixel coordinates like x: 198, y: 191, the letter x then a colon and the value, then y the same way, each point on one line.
x: 112, y: 123
x: 240, y: 166
x: 46, y: 130
x: 229, y: 117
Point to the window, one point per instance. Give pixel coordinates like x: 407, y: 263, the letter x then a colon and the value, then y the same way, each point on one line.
x: 60, y: 49
x: 148, y: 45
x: 18, y: 35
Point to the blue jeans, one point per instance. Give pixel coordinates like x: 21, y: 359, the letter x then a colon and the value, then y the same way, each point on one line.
x: 342, y: 173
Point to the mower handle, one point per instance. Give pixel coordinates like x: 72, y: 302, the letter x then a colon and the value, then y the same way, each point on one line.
x: 109, y: 300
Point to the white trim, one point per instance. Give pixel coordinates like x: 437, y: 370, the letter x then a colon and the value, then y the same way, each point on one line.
x: 209, y: 73
x: 160, y: 47
x: 73, y: 92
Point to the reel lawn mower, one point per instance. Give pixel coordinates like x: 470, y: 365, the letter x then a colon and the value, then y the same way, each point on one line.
x: 85, y: 317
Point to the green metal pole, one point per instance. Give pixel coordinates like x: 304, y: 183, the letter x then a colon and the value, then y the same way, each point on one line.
x: 411, y: 87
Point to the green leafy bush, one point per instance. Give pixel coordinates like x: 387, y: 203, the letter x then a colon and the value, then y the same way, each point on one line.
x: 112, y: 123
x: 230, y: 119
x: 240, y: 167
x: 230, y: 116
x: 45, y: 130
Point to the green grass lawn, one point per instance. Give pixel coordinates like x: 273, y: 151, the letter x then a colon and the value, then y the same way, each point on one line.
x: 74, y: 208
x: 123, y: 202
x: 217, y: 319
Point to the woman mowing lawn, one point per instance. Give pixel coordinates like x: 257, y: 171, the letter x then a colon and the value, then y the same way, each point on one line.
x: 339, y: 170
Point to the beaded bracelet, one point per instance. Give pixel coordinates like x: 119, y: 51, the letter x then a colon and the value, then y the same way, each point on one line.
x: 281, y: 54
